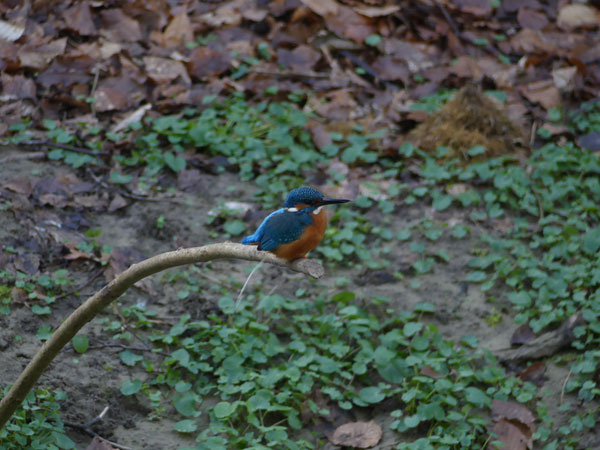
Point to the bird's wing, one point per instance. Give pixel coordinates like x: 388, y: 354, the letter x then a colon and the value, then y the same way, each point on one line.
x: 282, y: 229
x: 258, y: 235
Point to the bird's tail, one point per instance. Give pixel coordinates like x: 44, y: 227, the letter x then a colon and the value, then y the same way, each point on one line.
x: 250, y: 240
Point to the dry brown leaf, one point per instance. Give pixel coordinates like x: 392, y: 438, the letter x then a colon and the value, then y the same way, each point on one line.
x: 515, y: 424
x: 377, y: 11
x: 512, y: 435
x: 79, y: 19
x: 429, y: 372
x: 89, y: 201
x: 322, y: 7
x: 534, y: 373
x: 228, y: 14
x: 347, y: 22
x: 179, y: 31
x: 391, y: 68
x: 22, y: 185
x: 119, y: 27
x: 206, y: 62
x: 340, y: 105
x: 28, y: 263
x: 17, y: 87
x: 77, y: 254
x: 480, y: 8
x: 467, y: 67
x: 48, y: 190
x: 39, y: 57
x: 528, y: 18
x: 564, y: 78
x: 531, y: 41
x: 117, y: 203
x: 254, y: 14
x: 164, y: 70
x: 543, y: 92
x: 416, y: 56
x: 577, y: 15
x: 512, y: 411
x: 117, y: 94
x: 504, y: 75
x: 108, y: 49
x: 301, y: 59
x: 357, y: 434
x: 135, y: 116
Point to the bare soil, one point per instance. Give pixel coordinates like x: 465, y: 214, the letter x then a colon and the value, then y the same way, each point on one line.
x: 92, y: 380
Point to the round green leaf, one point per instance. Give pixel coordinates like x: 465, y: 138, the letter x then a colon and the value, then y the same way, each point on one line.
x: 235, y: 227
x: 129, y: 358
x: 412, y: 421
x: 62, y: 440
x: 223, y: 410
x: 185, y: 404
x: 371, y: 394
x: 373, y: 40
x: 130, y: 387
x: 411, y: 328
x: 80, y: 343
x: 477, y: 397
x: 442, y: 202
x: 260, y: 400
x: 185, y: 426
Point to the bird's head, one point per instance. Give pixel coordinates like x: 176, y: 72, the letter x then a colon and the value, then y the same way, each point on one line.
x: 308, y: 198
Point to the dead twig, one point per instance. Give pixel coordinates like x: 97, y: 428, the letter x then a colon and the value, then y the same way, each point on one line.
x: 564, y: 385
x: 87, y: 429
x: 152, y: 199
x: 88, y: 310
x: 126, y: 347
x: 545, y: 345
x: 70, y: 148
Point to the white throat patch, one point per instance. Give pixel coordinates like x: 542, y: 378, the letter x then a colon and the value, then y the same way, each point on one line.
x: 291, y: 209
x: 318, y: 210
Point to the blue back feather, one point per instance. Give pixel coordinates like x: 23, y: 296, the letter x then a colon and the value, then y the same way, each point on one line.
x: 280, y: 227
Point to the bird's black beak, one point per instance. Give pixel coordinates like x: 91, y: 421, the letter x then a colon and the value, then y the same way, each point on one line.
x: 332, y: 201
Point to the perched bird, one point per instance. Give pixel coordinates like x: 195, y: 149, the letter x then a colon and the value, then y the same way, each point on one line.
x: 294, y: 230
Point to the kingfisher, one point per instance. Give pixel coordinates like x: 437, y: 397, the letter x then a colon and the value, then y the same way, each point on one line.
x: 294, y: 230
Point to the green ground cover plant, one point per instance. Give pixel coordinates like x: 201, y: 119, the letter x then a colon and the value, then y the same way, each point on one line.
x: 263, y: 364
x: 37, y: 424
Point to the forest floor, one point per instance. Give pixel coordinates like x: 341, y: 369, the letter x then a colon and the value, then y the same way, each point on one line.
x: 134, y: 129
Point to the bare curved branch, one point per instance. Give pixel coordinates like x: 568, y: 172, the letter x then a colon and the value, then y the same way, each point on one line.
x: 88, y: 310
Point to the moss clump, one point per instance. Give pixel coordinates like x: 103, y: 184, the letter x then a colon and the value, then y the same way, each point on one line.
x: 469, y: 119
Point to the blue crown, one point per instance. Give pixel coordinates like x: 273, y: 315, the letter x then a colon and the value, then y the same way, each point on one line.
x: 305, y: 195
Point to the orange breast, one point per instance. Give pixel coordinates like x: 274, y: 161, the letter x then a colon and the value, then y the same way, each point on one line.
x: 309, y: 239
